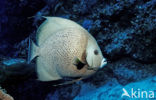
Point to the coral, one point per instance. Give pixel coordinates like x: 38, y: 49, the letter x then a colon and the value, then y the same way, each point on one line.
x: 4, y: 96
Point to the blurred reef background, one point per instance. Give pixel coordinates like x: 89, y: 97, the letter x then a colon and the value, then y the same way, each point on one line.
x: 124, y: 29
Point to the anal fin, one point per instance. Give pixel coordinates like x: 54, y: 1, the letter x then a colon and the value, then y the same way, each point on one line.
x: 69, y: 82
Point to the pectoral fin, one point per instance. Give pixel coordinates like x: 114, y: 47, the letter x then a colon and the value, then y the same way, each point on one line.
x: 79, y: 64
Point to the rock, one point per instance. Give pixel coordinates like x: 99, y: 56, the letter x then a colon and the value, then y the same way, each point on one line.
x: 15, y: 24
x: 84, y: 7
x: 115, y: 91
x: 63, y: 93
x: 126, y: 70
x: 154, y: 79
x: 87, y: 24
x: 119, y: 46
x: 13, y: 61
x: 21, y: 49
x: 133, y: 34
x: 103, y: 92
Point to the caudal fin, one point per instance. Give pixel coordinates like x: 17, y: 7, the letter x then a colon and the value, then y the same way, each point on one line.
x: 32, y: 51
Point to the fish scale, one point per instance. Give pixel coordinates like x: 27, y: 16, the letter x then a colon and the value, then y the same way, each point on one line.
x: 61, y: 45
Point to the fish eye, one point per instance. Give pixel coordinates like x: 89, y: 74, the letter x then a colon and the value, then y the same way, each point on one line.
x: 96, y: 52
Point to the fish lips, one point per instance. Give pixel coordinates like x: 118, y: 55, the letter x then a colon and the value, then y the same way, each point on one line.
x: 103, y: 63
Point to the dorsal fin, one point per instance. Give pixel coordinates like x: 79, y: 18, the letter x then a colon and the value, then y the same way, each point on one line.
x: 51, y: 25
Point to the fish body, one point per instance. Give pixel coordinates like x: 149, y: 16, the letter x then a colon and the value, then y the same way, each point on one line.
x: 60, y: 41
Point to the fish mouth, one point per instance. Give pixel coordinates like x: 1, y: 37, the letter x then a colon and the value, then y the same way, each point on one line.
x: 103, y: 63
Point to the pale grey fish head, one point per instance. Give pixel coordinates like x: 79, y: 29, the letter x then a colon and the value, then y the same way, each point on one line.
x: 95, y: 58
x: 99, y: 61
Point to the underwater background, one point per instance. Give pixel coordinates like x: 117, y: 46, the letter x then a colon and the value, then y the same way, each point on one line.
x: 124, y: 29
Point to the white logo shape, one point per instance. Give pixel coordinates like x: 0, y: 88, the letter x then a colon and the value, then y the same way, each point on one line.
x: 125, y: 93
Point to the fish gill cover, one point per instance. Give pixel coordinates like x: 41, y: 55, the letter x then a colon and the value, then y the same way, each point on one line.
x: 124, y: 29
